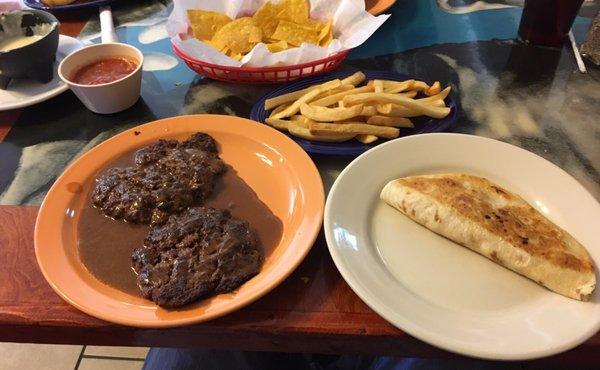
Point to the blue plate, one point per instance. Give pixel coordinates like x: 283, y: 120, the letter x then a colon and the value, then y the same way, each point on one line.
x: 79, y: 4
x: 352, y: 147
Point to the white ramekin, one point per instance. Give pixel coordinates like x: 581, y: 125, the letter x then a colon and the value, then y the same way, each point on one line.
x: 109, y: 97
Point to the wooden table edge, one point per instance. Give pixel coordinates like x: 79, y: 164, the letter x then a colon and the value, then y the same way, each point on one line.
x: 252, y: 328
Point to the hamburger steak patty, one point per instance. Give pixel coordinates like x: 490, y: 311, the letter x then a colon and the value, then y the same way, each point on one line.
x: 199, y: 252
x: 167, y: 177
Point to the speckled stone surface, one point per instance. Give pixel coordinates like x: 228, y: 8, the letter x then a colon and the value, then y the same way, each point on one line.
x: 590, y: 49
x: 531, y: 97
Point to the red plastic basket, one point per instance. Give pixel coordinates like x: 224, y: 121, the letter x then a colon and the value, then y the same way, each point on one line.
x: 264, y: 75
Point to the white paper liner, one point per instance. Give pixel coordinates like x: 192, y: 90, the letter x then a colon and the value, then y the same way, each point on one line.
x: 352, y: 26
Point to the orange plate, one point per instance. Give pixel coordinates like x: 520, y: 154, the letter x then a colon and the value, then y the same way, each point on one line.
x: 275, y: 167
x: 377, y: 7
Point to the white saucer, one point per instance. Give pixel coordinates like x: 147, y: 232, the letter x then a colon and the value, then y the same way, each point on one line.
x: 439, y: 291
x: 23, y: 93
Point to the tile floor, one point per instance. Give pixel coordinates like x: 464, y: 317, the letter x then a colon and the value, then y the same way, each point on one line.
x: 59, y: 357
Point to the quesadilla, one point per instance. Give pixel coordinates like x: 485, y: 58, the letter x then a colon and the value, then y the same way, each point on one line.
x: 482, y: 216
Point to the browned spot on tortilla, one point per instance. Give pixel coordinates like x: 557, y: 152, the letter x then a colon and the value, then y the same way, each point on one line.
x: 495, y: 258
x: 500, y: 191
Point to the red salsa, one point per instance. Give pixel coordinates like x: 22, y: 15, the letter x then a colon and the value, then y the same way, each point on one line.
x: 105, y: 70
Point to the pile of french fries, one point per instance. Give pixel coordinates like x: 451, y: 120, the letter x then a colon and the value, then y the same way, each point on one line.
x: 341, y: 110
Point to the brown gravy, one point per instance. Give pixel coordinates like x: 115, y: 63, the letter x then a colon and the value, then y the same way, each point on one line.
x: 105, y: 245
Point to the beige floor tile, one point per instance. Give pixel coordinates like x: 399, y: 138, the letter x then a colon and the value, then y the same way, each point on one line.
x: 129, y: 352
x: 103, y: 364
x: 17, y: 356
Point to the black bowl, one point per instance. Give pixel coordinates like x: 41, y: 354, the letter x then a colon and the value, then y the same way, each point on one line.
x: 36, y: 60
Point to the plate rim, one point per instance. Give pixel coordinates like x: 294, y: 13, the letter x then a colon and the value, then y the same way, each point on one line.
x: 310, y: 234
x: 416, y: 330
x: 381, y: 6
x: 46, y: 95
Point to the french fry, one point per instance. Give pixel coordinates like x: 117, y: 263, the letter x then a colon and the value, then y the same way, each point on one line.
x: 378, y: 86
x: 390, y: 121
x: 434, y: 89
x: 436, y: 103
x: 298, y: 120
x: 333, y: 99
x: 420, y: 86
x: 286, y: 98
x: 324, y: 114
x: 355, y: 128
x: 330, y: 85
x: 337, y: 90
x: 359, y: 119
x: 300, y: 129
x: 354, y: 79
x: 279, y: 124
x: 295, y: 95
x: 393, y: 87
x: 340, y: 89
x: 278, y: 109
x: 366, y: 139
x: 389, y: 108
x: 424, y: 109
x: 295, y: 106
x: 384, y: 108
x: 409, y: 94
x: 337, y: 110
x: 440, y: 96
x: 393, y: 110
x: 368, y: 110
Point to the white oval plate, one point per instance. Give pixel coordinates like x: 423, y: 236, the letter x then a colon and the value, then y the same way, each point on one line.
x: 23, y: 93
x: 439, y: 291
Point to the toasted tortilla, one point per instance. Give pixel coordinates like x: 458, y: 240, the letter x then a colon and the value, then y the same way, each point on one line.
x: 482, y: 216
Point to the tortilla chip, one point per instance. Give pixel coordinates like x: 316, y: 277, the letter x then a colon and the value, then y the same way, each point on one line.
x: 219, y: 48
x: 295, y: 34
x: 236, y: 35
x: 282, y: 25
x: 326, y: 34
x: 275, y: 47
x: 266, y: 17
x: 256, y: 35
x: 206, y: 23
x: 235, y: 56
x: 296, y: 11
x: 315, y: 25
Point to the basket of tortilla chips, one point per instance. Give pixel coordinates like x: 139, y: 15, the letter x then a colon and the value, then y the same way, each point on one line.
x: 267, y: 41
